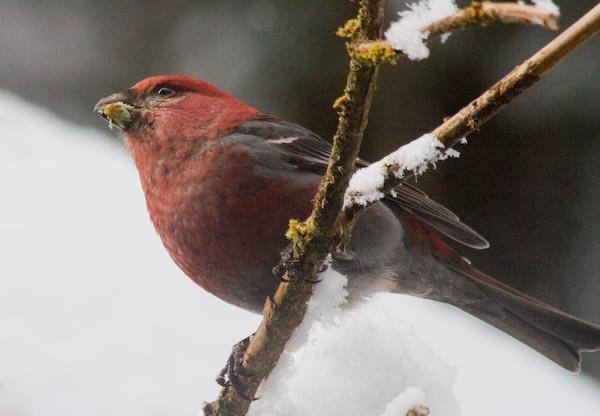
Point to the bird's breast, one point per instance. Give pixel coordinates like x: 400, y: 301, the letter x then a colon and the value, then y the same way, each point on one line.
x: 223, y: 222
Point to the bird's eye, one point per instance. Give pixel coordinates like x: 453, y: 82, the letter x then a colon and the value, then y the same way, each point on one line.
x: 165, y: 91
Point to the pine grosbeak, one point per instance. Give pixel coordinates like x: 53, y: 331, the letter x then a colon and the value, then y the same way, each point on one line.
x: 222, y: 180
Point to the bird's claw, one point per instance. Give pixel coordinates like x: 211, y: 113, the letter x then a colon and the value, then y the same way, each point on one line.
x: 230, y: 375
x: 313, y: 281
x: 288, y: 270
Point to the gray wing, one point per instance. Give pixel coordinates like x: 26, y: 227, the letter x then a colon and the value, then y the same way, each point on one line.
x: 308, y: 152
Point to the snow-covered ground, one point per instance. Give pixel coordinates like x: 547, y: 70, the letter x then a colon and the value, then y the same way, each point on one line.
x: 95, y: 319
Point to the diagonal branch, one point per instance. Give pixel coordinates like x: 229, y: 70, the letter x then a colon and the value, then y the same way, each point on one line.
x: 393, y: 169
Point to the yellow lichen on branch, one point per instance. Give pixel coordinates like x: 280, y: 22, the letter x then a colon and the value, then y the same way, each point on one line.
x: 350, y: 29
x: 299, y: 233
x: 373, y: 53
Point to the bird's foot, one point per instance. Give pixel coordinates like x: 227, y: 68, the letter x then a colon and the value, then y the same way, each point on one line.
x: 288, y: 270
x: 231, y: 374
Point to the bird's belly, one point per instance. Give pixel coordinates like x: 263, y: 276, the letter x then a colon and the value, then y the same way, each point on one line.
x: 229, y: 240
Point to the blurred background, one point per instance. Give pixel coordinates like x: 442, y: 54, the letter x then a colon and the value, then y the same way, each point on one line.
x: 528, y: 181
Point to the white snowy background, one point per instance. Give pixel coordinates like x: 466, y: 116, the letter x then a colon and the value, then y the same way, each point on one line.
x: 95, y: 319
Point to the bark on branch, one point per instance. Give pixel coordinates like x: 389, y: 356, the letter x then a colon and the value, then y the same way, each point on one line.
x: 486, y: 12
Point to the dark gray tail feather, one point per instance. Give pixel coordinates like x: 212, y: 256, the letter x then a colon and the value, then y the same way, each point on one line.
x: 553, y: 333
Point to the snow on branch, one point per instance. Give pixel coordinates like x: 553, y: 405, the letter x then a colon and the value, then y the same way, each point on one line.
x: 428, y: 19
x: 547, y: 6
x: 409, y: 33
x: 415, y: 157
x: 373, y: 182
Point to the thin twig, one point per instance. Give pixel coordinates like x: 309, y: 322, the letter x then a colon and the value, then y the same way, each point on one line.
x: 477, y: 13
x: 487, y: 12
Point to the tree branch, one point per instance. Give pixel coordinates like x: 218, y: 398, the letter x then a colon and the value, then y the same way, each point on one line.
x: 477, y: 13
x: 472, y: 116
x: 314, y: 238
x: 486, y: 12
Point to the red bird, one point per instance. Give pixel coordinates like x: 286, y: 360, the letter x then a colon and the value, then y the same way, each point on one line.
x: 222, y: 180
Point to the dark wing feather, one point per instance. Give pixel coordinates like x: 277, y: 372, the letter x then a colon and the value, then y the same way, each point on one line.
x: 295, y: 143
x: 439, y: 217
x: 309, y: 152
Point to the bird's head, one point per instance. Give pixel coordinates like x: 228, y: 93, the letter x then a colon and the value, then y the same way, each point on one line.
x: 171, y: 107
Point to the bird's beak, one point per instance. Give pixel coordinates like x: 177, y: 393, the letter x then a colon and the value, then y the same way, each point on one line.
x: 118, y: 110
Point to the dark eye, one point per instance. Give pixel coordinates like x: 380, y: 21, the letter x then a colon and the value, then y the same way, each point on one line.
x: 164, y: 91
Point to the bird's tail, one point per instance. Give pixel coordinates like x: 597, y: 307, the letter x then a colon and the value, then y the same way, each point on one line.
x: 553, y: 333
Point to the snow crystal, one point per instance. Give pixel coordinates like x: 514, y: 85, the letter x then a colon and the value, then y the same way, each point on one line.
x: 416, y: 156
x: 452, y: 153
x: 547, y: 6
x: 406, y: 35
x: 365, y: 185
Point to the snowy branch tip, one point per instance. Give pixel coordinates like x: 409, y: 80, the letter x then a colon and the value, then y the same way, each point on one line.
x: 406, y: 35
x: 547, y: 6
x: 411, y: 31
x: 366, y: 185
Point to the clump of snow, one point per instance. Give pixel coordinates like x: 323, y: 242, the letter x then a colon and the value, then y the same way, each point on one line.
x: 329, y: 295
x: 416, y: 157
x: 452, y: 153
x: 406, y: 34
x: 324, y: 306
x: 365, y: 185
x: 547, y: 6
x: 338, y: 355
